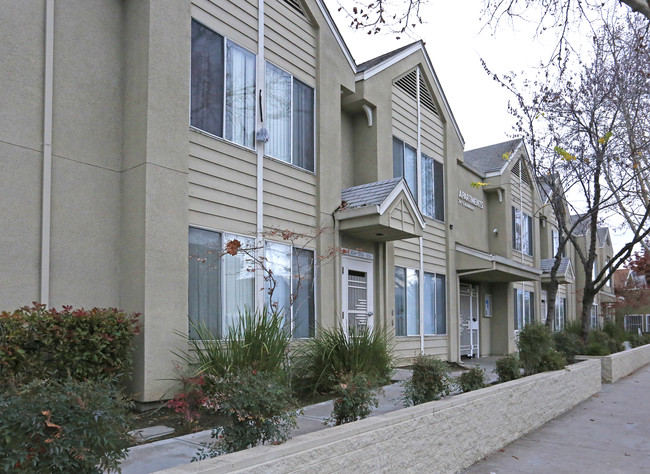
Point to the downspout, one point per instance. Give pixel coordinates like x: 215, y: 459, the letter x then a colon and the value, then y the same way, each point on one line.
x: 419, y: 198
x: 46, y: 218
x: 259, y: 198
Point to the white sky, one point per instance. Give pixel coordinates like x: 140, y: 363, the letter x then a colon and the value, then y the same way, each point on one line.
x: 455, y: 43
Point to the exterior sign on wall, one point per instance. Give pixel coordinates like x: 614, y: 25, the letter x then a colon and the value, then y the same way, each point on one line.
x: 468, y: 201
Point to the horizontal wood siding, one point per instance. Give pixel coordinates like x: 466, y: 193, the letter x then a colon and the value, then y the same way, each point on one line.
x: 289, y: 198
x: 407, y: 348
x: 434, y: 247
x: 431, y: 134
x: 290, y: 41
x: 221, y: 185
x: 405, y: 118
x: 238, y: 21
x: 407, y: 253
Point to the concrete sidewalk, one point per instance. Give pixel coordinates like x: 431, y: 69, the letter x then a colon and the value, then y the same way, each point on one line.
x: 159, y: 455
x: 609, y: 433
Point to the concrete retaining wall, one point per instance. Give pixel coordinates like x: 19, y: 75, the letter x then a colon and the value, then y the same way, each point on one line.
x: 617, y: 366
x: 441, y: 436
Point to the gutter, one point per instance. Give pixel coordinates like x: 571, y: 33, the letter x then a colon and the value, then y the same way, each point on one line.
x: 46, y: 218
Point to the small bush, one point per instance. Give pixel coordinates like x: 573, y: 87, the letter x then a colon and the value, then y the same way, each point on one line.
x: 190, y: 400
x: 534, y: 342
x: 637, y: 340
x: 569, y: 345
x: 82, y: 344
x: 71, y: 426
x: 552, y: 360
x: 321, y: 361
x: 600, y: 343
x: 573, y: 327
x: 508, y: 368
x: 356, y: 399
x: 473, y: 379
x: 259, y: 342
x: 430, y: 381
x: 260, y: 407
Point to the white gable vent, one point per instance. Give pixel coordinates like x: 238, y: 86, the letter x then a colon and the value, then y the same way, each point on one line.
x: 408, y: 84
x: 295, y: 5
x: 517, y: 170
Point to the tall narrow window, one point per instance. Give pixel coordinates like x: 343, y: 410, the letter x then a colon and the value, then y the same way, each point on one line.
x: 405, y: 165
x: 522, y: 231
x: 223, y: 87
x: 435, y: 305
x: 524, y: 304
x: 290, y: 286
x: 516, y: 229
x: 560, y: 313
x: 289, y: 118
x: 220, y: 285
x: 407, y: 314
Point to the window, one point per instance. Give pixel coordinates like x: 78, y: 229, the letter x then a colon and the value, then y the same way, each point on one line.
x: 524, y: 307
x: 405, y: 166
x: 291, y: 288
x: 222, y: 87
x: 220, y: 285
x: 594, y: 316
x: 556, y: 242
x: 560, y: 316
x: 433, y: 204
x: 522, y: 231
x: 407, y: 314
x: 407, y: 306
x: 633, y: 323
x: 289, y: 118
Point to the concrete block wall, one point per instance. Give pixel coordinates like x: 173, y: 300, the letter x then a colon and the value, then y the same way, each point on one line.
x: 617, y: 366
x: 441, y: 436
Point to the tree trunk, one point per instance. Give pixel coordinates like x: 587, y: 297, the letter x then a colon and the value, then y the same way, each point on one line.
x: 588, y: 296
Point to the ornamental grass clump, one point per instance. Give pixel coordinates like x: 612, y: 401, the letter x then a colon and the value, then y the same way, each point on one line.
x: 320, y: 362
x: 355, y: 400
x: 259, y: 405
x: 430, y: 381
x: 260, y: 341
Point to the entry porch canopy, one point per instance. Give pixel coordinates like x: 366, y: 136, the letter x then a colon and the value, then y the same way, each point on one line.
x: 380, y: 211
x: 476, y: 265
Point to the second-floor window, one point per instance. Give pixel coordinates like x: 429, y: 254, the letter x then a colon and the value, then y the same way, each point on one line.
x: 522, y: 231
x: 405, y: 165
x: 289, y: 118
x: 222, y: 87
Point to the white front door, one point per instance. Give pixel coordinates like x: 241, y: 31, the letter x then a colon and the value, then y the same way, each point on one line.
x: 357, y: 294
x: 469, y: 323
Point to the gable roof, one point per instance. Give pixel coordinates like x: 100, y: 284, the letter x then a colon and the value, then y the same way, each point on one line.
x: 547, y: 264
x: 489, y: 159
x: 371, y: 194
x: 384, y: 57
x: 582, y: 228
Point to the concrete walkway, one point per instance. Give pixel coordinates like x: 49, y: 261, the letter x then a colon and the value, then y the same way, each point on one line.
x: 609, y: 433
x: 159, y: 455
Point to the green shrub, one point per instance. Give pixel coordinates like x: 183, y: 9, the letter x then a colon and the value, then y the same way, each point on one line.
x: 471, y: 380
x: 260, y: 407
x: 601, y: 343
x: 83, y: 344
x: 637, y: 340
x: 430, y: 381
x: 573, y: 327
x: 615, y: 332
x: 508, y: 368
x: 63, y: 426
x: 552, y: 360
x: 260, y: 341
x: 320, y: 362
x: 569, y: 345
x: 355, y: 399
x: 534, y: 341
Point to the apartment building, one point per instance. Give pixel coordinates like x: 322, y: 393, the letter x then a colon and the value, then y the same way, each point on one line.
x: 167, y: 157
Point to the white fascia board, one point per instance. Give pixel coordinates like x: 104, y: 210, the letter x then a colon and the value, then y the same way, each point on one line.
x: 401, y: 186
x: 357, y: 212
x: 377, y: 68
x: 509, y: 162
x: 337, y: 34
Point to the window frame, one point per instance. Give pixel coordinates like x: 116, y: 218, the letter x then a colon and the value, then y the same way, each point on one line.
x: 434, y: 317
x: 524, y: 300
x: 407, y: 303
x: 293, y: 79
x: 226, y: 41
x: 526, y: 231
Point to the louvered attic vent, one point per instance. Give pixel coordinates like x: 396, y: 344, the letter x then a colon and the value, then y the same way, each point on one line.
x: 408, y: 84
x: 516, y: 171
x: 295, y: 4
